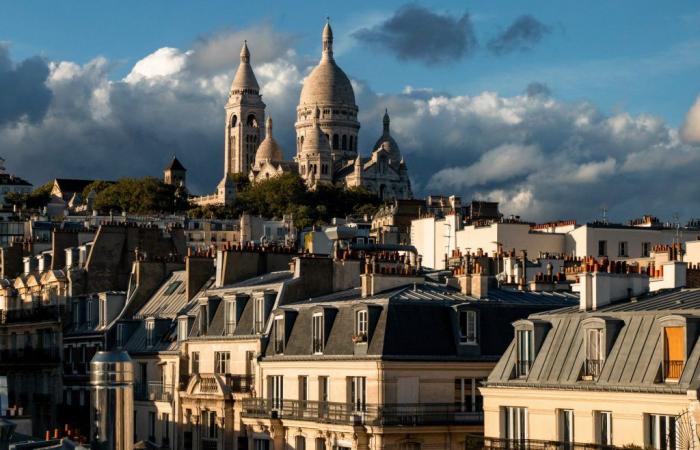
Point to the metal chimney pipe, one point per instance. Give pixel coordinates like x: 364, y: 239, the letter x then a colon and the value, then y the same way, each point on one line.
x: 112, y: 401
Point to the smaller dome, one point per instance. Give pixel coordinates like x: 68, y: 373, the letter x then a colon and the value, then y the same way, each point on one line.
x: 387, y: 142
x: 315, y: 139
x: 245, y: 78
x: 268, y: 150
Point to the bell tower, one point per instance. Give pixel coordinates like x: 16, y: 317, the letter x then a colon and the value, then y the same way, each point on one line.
x: 245, y: 117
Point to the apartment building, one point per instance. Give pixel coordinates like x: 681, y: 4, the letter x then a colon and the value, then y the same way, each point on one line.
x: 395, y: 363
x: 618, y: 370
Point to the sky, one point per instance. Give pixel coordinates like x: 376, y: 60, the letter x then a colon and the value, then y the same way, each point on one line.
x: 555, y: 109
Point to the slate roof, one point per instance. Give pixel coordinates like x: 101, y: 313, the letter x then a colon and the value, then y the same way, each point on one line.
x: 175, y: 164
x: 11, y: 180
x: 71, y: 185
x: 413, y: 323
x: 168, y: 300
x: 634, y: 360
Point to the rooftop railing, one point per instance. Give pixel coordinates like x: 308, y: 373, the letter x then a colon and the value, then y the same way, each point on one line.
x: 673, y: 369
x: 593, y: 368
x: 154, y: 391
x: 422, y: 414
x: 487, y: 443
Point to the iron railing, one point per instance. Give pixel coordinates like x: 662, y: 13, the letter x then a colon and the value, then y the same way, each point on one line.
x: 479, y: 442
x: 154, y: 391
x: 239, y: 383
x: 350, y: 413
x: 673, y: 369
x: 35, y: 313
x: 593, y: 368
x: 30, y: 355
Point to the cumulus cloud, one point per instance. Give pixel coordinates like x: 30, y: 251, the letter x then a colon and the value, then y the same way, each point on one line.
x: 24, y: 92
x: 691, y: 127
x: 521, y: 35
x: 535, y: 88
x: 417, y: 33
x: 541, y: 157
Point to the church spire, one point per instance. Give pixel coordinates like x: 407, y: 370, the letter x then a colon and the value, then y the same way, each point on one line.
x: 245, y: 81
x: 386, y: 121
x: 245, y: 53
x: 328, y: 39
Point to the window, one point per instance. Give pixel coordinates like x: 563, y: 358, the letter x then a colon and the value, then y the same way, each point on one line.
x: 165, y: 419
x: 594, y: 353
x: 230, y: 317
x: 602, y: 248
x: 358, y: 393
x: 317, y: 333
x: 410, y: 446
x: 194, y: 363
x: 646, y: 249
x: 323, y: 388
x: 209, y: 430
x: 320, y: 443
x: 674, y: 354
x: 221, y: 362
x: 361, y: 324
x: 300, y: 443
x: 151, y: 426
x: 143, y: 372
x: 120, y: 335
x: 566, y: 426
x: 259, y: 314
x: 622, y: 248
x: 275, y: 390
x: 467, y: 395
x: 183, y: 329
x: 515, y: 423
x: 467, y: 327
x: 150, y: 325
x: 278, y: 334
x: 524, y: 352
x: 261, y: 444
x: 662, y: 432
x: 604, y: 427
x: 172, y: 287
x: 303, y: 389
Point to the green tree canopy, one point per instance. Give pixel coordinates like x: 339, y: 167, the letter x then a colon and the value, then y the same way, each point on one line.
x: 137, y: 196
x: 36, y: 199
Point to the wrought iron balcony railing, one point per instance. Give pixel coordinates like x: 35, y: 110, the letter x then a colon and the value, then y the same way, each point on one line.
x: 592, y: 368
x: 30, y: 355
x: 349, y: 413
x: 673, y: 369
x: 487, y: 443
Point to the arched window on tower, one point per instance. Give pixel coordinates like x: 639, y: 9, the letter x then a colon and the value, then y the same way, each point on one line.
x: 352, y: 141
x: 335, y: 142
x: 344, y: 143
x: 234, y: 121
x: 252, y: 121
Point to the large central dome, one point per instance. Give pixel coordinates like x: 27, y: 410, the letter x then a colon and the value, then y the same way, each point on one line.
x: 327, y: 83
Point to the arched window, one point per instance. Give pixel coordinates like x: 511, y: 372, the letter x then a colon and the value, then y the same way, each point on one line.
x: 344, y: 143
x: 352, y: 140
x: 252, y: 121
x: 335, y: 142
x: 234, y: 120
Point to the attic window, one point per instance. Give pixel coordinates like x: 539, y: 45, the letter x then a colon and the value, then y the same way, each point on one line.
x: 317, y: 335
x: 278, y: 337
x: 361, y: 323
x: 150, y: 326
x: 467, y: 327
x: 674, y: 352
x: 230, y: 317
x: 173, y: 286
x: 525, y: 352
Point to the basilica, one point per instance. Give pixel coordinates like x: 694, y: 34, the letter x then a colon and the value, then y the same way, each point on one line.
x: 327, y: 129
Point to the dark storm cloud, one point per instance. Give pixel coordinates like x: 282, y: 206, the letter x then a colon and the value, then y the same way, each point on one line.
x: 416, y: 33
x: 23, y: 92
x: 521, y: 35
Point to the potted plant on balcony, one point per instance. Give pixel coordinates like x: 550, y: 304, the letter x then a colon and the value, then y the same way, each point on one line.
x: 359, y: 338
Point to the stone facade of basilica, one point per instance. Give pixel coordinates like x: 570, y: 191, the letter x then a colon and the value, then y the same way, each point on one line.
x: 327, y: 129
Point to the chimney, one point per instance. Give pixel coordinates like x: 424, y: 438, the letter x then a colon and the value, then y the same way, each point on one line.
x: 479, y: 285
x: 112, y: 401
x: 198, y: 269
x: 598, y: 289
x: 44, y: 262
x: 30, y: 264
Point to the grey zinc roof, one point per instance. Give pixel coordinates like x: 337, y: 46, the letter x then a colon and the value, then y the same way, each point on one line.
x: 168, y: 300
x: 634, y: 360
x: 414, y: 322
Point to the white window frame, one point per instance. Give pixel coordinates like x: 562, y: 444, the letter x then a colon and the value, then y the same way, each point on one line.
x: 566, y: 425
x: 278, y: 337
x: 604, y: 427
x: 358, y: 393
x: 663, y: 432
x: 525, y: 353
x: 361, y: 322
x: 515, y: 423
x: 222, y: 359
x: 230, y: 317
x: 317, y: 334
x: 468, y: 335
x: 276, y: 394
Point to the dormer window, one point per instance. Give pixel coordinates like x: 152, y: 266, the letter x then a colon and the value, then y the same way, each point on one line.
x: 467, y: 327
x: 230, y: 314
x: 361, y: 325
x: 150, y: 327
x: 525, y: 353
x: 317, y: 333
x: 595, y: 355
x: 674, y: 353
x: 259, y: 314
x: 182, y: 328
x: 278, y: 334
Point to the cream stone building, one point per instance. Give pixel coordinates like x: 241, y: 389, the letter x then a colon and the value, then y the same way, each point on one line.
x: 327, y: 129
x: 620, y: 369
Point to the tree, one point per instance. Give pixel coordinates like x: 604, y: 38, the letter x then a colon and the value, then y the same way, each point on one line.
x: 36, y: 199
x: 137, y: 196
x: 97, y: 186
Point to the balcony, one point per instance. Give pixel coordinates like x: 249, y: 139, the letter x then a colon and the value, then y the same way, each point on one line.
x: 375, y: 415
x: 153, y: 391
x: 592, y: 369
x: 235, y: 383
x: 480, y: 442
x: 239, y: 383
x: 673, y: 369
x: 35, y: 314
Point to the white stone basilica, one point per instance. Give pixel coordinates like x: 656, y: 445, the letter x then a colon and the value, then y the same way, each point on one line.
x: 327, y: 134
